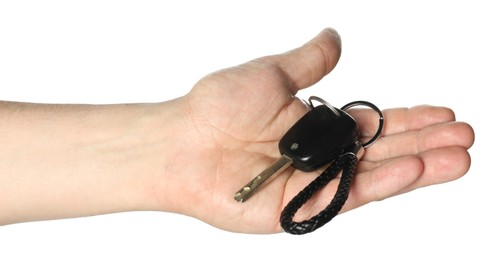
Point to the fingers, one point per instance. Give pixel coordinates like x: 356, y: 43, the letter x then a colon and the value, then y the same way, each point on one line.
x: 417, y: 141
x: 385, y: 181
x: 308, y: 64
x: 399, y: 120
x: 378, y: 184
x: 392, y: 177
x: 441, y: 165
x: 411, y: 131
x: 409, y: 173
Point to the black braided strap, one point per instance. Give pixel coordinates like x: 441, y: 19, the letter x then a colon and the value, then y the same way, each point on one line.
x: 347, y: 162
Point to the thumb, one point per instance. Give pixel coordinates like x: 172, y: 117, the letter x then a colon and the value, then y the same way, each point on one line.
x: 309, y: 63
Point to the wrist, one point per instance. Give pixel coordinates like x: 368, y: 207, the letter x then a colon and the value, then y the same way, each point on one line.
x: 145, y: 153
x: 169, y: 137
x: 61, y: 161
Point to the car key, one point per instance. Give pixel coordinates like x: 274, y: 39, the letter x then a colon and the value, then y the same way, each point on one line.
x: 321, y: 135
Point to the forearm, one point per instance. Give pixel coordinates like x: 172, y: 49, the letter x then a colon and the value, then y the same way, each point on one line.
x: 59, y: 161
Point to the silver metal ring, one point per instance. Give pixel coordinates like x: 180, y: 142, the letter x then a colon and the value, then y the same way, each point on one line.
x: 373, y: 107
x: 320, y: 100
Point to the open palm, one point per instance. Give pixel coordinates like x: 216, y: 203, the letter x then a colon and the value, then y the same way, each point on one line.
x: 238, y: 115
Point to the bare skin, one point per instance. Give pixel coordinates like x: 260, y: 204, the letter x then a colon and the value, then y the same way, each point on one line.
x: 190, y: 155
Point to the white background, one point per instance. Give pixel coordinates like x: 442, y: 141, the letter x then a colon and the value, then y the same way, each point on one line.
x: 395, y: 53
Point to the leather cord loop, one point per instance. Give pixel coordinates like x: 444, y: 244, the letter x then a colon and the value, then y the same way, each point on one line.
x: 347, y: 163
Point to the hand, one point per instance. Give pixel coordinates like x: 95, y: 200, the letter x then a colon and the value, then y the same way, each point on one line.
x: 234, y: 118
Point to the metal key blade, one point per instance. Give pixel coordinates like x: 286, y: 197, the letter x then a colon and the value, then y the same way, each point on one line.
x: 277, y: 167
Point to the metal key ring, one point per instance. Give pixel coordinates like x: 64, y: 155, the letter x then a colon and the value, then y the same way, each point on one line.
x: 322, y: 101
x: 373, y: 107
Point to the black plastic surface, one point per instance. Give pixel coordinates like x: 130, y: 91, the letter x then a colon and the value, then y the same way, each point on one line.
x: 318, y: 137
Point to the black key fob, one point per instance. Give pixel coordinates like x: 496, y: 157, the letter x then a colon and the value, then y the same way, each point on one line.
x: 319, y: 137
